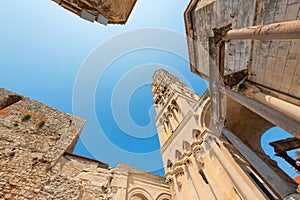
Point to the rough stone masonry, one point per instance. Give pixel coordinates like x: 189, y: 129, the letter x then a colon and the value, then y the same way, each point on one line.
x: 36, y: 162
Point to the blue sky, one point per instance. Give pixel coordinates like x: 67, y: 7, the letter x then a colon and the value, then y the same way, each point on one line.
x: 47, y: 54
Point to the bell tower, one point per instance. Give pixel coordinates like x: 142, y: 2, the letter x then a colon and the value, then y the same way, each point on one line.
x: 172, y: 100
x: 198, y: 164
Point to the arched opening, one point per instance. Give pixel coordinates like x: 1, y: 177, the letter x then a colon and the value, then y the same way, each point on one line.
x: 139, y: 194
x: 163, y: 197
x: 196, y: 134
x: 282, y: 147
x: 177, y: 155
x: 186, y: 146
x: 138, y: 197
x: 169, y: 164
x: 249, y: 127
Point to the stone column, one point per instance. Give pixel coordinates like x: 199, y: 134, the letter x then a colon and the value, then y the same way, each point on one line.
x: 167, y: 128
x: 262, y: 168
x: 201, y: 160
x: 170, y: 182
x: 277, y: 118
x: 190, y: 176
x: 279, y: 105
x: 161, y: 133
x: 171, y: 121
x: 177, y: 188
x: 177, y: 115
x: 244, y: 186
x: 184, y: 189
x: 202, y: 189
x: 213, y: 170
x: 280, y: 30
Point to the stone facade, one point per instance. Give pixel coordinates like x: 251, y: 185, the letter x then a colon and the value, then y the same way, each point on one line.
x: 199, y: 164
x: 104, y: 12
x: 271, y: 63
x: 253, y: 76
x: 36, y: 162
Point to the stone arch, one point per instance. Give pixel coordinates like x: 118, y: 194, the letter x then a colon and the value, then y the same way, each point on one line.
x: 186, y: 145
x: 139, y: 193
x: 249, y: 128
x: 247, y: 125
x: 205, y: 115
x: 178, y: 155
x: 169, y: 164
x: 271, y: 143
x: 163, y: 196
x: 196, y: 133
x: 174, y: 103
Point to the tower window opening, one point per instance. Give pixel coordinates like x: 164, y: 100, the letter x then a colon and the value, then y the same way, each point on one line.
x: 169, y: 164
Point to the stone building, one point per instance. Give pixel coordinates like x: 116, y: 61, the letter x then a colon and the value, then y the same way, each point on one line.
x: 198, y: 164
x: 249, y: 53
x: 104, y: 12
x: 36, y: 160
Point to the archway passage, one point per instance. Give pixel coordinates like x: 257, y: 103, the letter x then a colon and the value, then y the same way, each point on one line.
x: 249, y: 127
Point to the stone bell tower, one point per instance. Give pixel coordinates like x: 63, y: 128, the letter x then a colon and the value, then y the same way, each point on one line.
x: 198, y: 164
x: 168, y: 93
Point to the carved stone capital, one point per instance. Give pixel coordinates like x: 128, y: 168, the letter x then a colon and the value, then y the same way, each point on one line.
x: 178, y: 171
x: 219, y: 33
x: 187, y: 162
x: 199, y: 154
x: 250, y: 91
x: 169, y: 181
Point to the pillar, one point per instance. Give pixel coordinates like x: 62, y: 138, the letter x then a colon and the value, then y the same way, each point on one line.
x: 171, y: 122
x: 201, y: 188
x: 262, y: 168
x: 170, y: 182
x: 199, y: 156
x: 281, y: 30
x: 162, y: 133
x: 177, y: 115
x: 184, y: 189
x: 177, y: 184
x: 287, y: 123
x: 244, y: 186
x: 167, y: 128
x: 189, y: 180
x: 282, y: 106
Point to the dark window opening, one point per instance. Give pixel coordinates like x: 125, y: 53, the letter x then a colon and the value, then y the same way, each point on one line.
x: 203, y: 176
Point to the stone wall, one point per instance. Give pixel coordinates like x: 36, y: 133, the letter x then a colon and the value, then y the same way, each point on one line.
x: 115, y: 11
x: 33, y: 137
x: 36, y: 142
x: 271, y: 63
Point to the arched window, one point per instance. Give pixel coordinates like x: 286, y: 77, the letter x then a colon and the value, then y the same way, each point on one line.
x: 138, y: 197
x: 177, y: 154
x: 186, y: 145
x: 169, y: 164
x: 196, y: 133
x: 164, y: 196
